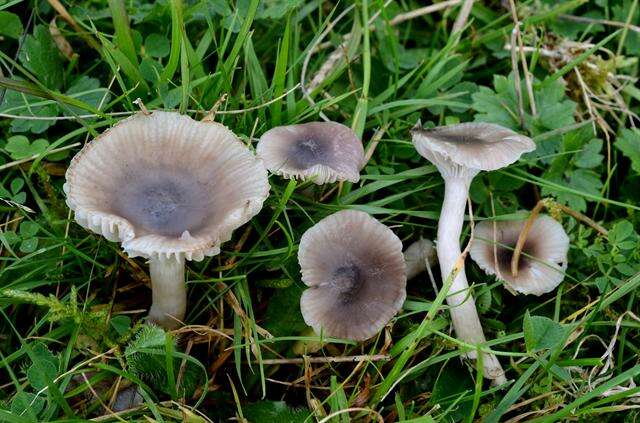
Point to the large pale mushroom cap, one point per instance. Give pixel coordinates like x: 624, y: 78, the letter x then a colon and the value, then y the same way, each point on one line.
x: 319, y: 151
x: 470, y: 147
x: 166, y: 185
x: 355, y: 270
x: 543, y: 259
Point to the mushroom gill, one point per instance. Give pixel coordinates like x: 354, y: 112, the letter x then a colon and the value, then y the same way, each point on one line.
x: 543, y: 259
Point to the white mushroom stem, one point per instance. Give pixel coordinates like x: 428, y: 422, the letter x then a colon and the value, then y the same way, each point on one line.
x: 169, y: 293
x: 464, y: 315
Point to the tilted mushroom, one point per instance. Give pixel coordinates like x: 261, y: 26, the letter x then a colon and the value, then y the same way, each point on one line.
x: 319, y: 151
x: 543, y: 259
x: 355, y: 270
x: 460, y: 152
x: 169, y: 189
x: 418, y: 256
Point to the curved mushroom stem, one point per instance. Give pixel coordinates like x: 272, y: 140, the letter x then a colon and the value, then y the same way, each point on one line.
x: 169, y: 293
x: 464, y: 315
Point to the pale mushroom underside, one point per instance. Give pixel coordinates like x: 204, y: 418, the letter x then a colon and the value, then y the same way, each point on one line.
x: 355, y: 270
x: 418, y: 256
x: 166, y: 186
x: 473, y: 146
x: 543, y: 259
x: 322, y: 152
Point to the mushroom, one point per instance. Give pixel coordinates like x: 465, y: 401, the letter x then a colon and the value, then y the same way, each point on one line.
x: 543, y: 259
x: 170, y: 189
x: 355, y: 270
x: 460, y: 152
x: 419, y: 257
x: 320, y: 151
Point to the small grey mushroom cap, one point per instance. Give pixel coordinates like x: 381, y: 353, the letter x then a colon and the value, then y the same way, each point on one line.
x: 166, y: 186
x: 355, y: 270
x: 417, y: 255
x: 468, y: 148
x: 323, y: 152
x: 542, y: 262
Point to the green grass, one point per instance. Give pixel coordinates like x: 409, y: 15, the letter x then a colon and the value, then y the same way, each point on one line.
x: 72, y: 305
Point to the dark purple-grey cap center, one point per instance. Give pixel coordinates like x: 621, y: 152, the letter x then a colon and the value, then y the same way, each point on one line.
x: 348, y: 281
x: 504, y: 255
x: 308, y: 152
x: 163, y: 204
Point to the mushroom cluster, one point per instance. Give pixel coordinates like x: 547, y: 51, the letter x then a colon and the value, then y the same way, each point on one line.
x: 170, y: 189
x: 460, y: 152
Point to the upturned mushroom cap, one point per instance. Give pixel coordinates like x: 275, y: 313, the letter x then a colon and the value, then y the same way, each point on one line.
x: 355, y: 270
x: 166, y: 185
x: 319, y: 151
x: 543, y: 259
x: 470, y: 147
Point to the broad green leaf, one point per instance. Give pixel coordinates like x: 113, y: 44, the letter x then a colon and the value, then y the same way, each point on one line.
x: 28, y: 245
x: 274, y: 412
x: 39, y: 375
x: 88, y: 90
x: 590, y: 156
x: 42, y: 58
x: 10, y: 25
x: 121, y: 324
x: 629, y: 144
x: 44, y: 367
x: 27, y: 404
x: 541, y: 332
x: 621, y: 231
x: 157, y: 45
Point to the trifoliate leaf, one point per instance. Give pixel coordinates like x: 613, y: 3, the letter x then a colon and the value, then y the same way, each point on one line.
x: 19, y: 147
x: 620, y: 231
x: 25, y: 105
x: 28, y: 229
